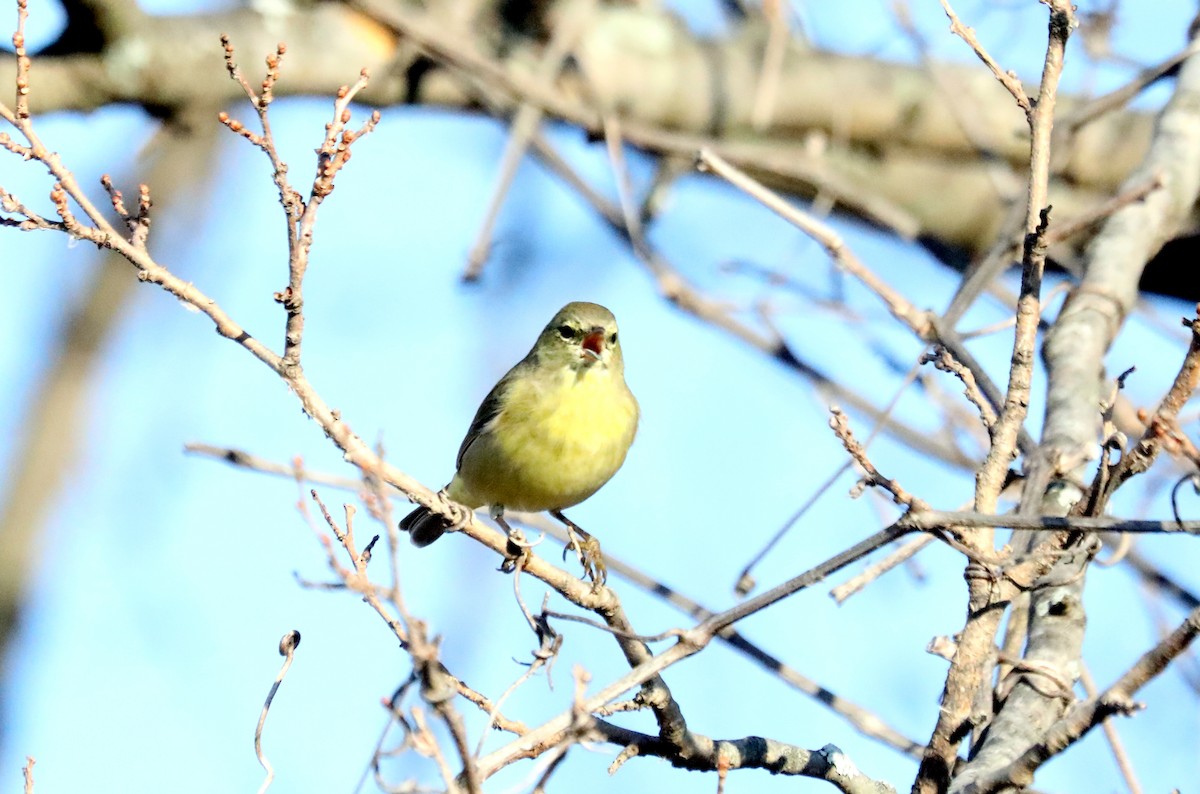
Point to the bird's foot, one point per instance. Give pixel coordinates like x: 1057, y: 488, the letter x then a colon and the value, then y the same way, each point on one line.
x: 455, y: 516
x: 592, y: 560
x: 517, y: 547
x: 587, y: 551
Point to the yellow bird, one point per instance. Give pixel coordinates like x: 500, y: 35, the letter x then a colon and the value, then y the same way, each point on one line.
x: 550, y: 433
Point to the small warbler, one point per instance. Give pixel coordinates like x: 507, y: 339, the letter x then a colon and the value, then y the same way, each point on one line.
x: 550, y: 433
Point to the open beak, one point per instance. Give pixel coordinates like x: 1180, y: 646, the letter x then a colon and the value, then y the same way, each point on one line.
x: 593, y: 343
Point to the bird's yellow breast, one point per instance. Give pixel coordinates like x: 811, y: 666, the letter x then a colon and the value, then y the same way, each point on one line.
x: 555, y: 441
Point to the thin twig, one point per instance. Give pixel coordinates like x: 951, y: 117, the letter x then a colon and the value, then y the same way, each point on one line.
x: 869, y: 574
x: 494, y: 711
x: 945, y: 361
x: 927, y: 520
x: 968, y: 118
x: 21, y: 114
x: 766, y: 88
x: 840, y: 424
x: 1162, y: 429
x: 287, y: 649
x: 395, y: 716
x: 523, y: 130
x: 356, y: 579
x: 662, y: 635
x: 1151, y: 575
x: 1120, y: 96
x: 1067, y: 229
x: 1008, y: 79
x: 745, y: 582
x: 434, y: 749
x: 900, y: 307
x: 1124, y: 763
x: 558, y: 755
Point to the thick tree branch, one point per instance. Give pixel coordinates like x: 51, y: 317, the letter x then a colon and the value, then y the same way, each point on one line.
x: 893, y: 130
x: 1074, y: 353
x: 1081, y: 718
x: 752, y: 752
x: 1094, y: 313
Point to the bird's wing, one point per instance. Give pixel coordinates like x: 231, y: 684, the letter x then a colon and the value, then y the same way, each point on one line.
x: 489, y: 409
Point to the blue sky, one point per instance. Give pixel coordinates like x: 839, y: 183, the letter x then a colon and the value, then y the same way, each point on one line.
x: 164, y: 582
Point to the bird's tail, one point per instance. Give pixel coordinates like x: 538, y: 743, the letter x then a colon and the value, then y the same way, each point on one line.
x: 424, y: 526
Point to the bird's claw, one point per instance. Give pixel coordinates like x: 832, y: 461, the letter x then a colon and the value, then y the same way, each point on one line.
x: 455, y: 515
x: 587, y: 550
x: 591, y: 559
x: 519, y: 540
x: 517, y: 547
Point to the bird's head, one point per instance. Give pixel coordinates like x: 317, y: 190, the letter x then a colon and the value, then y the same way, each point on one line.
x: 581, y: 336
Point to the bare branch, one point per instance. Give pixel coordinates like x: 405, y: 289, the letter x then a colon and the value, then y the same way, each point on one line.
x: 900, y: 307
x: 902, y: 554
x: 690, y: 642
x: 1081, y: 718
x: 973, y: 659
x: 1007, y: 79
x: 754, y: 752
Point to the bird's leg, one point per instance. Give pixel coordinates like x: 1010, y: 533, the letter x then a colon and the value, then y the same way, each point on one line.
x: 587, y: 549
x: 517, y: 545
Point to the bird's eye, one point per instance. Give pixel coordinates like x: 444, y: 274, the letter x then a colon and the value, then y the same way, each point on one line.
x: 566, y: 331
x: 612, y: 338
